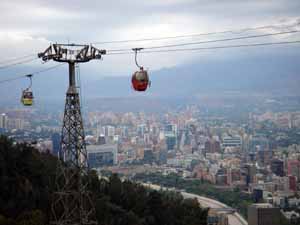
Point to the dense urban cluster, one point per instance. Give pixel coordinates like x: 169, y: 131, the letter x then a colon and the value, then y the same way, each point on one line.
x: 257, y: 155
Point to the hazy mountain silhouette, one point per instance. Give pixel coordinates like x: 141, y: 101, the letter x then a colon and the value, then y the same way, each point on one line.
x: 265, y: 73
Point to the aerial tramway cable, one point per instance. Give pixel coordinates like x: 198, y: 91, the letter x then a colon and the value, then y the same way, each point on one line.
x: 17, y: 63
x: 13, y: 59
x: 33, y: 73
x: 210, y: 48
x: 232, y: 31
x: 7, y: 63
x: 210, y: 41
x: 168, y: 48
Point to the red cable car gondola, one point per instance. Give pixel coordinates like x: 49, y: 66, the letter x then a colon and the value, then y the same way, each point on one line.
x: 140, y: 79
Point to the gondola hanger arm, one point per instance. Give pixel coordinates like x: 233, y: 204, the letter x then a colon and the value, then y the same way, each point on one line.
x: 136, y: 50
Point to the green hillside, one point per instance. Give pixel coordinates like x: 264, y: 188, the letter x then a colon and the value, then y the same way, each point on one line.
x: 27, y: 181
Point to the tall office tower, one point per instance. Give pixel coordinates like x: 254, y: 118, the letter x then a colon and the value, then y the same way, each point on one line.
x: 264, y: 156
x: 171, y: 141
x: 56, y: 143
x: 263, y: 214
x: 3, y: 121
x: 212, y: 146
x: 293, y: 168
x: 109, y: 131
x: 141, y: 129
x: 277, y: 167
x: 170, y: 133
x: 249, y: 171
x: 171, y: 128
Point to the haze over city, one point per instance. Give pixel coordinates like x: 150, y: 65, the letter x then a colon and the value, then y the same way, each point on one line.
x: 159, y: 112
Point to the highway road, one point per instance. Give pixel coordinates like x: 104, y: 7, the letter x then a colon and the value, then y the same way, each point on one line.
x: 233, y: 218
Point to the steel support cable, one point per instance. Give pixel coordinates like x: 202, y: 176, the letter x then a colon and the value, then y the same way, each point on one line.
x: 15, y: 59
x: 234, y: 31
x: 202, y: 34
x: 17, y: 63
x: 167, y: 50
x: 33, y: 73
x: 4, y: 61
x: 210, y: 48
x: 211, y: 41
x: 30, y: 78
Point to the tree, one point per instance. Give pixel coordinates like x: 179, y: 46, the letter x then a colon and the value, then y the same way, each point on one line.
x: 27, y: 179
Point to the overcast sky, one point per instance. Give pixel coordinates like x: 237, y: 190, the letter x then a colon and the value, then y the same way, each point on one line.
x: 29, y: 26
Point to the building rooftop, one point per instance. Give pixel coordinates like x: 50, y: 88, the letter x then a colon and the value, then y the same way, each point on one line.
x: 262, y: 205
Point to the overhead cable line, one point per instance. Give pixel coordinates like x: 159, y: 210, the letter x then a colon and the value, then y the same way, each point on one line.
x: 33, y: 73
x: 14, y: 60
x: 4, y: 61
x: 211, y: 41
x: 17, y: 63
x: 209, y: 48
x: 47, y: 69
x: 199, y: 34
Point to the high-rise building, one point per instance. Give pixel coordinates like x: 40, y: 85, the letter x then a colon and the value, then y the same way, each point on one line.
x: 3, y: 121
x: 149, y: 156
x: 124, y: 132
x: 101, y: 140
x: 55, y: 143
x: 257, y: 195
x: 212, y: 146
x: 264, y: 156
x: 277, y: 167
x: 170, y: 141
x: 292, y: 183
x: 171, y: 128
x: 293, y: 168
x: 258, y: 143
x: 109, y: 131
x: 249, y: 171
x: 15, y: 124
x: 263, y: 214
x: 163, y: 157
x: 141, y: 129
x: 235, y: 141
x: 102, y: 155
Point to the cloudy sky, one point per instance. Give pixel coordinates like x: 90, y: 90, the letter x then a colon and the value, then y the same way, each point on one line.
x: 29, y: 26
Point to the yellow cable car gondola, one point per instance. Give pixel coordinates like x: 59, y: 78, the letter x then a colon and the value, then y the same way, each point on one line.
x: 27, y: 95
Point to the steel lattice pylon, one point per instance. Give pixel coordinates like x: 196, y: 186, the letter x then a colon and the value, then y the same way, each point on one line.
x: 71, y: 203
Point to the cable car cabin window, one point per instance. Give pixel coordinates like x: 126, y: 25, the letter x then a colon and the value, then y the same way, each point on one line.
x: 28, y: 94
x: 141, y: 75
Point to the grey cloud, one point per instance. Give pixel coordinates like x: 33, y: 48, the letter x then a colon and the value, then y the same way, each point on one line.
x: 94, y: 20
x: 100, y: 18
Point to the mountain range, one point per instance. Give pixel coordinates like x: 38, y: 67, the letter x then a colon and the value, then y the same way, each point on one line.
x: 251, y: 74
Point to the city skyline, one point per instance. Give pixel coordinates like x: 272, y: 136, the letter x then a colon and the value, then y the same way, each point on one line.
x: 176, y: 112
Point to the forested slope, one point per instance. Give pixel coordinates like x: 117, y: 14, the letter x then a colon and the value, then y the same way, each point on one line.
x: 27, y: 181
